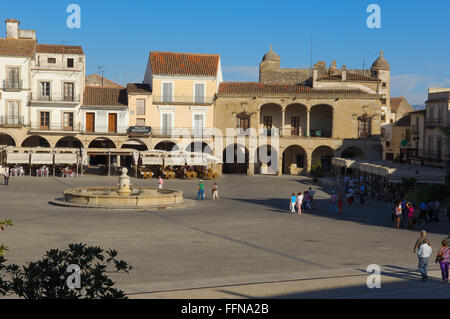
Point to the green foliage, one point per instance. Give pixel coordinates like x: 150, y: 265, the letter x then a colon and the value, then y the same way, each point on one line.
x: 317, y: 170
x: 429, y: 192
x: 3, y: 225
x: 47, y: 277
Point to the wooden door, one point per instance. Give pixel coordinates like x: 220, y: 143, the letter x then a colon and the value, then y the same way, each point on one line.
x: 112, y: 122
x: 90, y: 122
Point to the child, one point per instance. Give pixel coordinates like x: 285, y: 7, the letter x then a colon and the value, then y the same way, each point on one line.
x: 292, y: 203
x: 299, y: 203
x: 215, y: 192
x: 160, y: 182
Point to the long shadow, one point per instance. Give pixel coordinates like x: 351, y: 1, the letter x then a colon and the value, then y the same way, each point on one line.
x: 373, y: 213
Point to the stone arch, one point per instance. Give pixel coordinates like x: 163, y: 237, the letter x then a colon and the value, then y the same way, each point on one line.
x: 321, y: 120
x: 235, y: 159
x: 323, y: 154
x: 266, y: 154
x: 35, y: 141
x: 270, y: 118
x: 295, y: 119
x: 135, y: 144
x: 352, y: 152
x: 70, y: 142
x: 6, y: 139
x: 294, y: 154
x: 167, y: 146
x: 200, y: 147
x: 102, y: 142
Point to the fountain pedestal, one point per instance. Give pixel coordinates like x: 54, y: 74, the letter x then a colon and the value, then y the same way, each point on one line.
x: 124, y: 183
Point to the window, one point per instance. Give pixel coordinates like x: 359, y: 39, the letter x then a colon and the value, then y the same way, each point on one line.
x: 383, y: 117
x: 167, y: 123
x: 68, y: 92
x: 295, y: 125
x: 12, y: 81
x: 384, y: 85
x: 68, y: 121
x: 167, y: 92
x: 199, y: 93
x: 45, y: 90
x: 364, y: 126
x: 51, y: 60
x: 267, y: 120
x: 70, y: 63
x: 198, y: 124
x: 140, y: 107
x: 112, y: 123
x: 140, y: 122
x: 44, y: 120
x: 13, y: 112
x: 243, y: 122
x: 90, y: 122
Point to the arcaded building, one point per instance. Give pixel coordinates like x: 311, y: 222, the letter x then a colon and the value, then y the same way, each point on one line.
x: 293, y: 119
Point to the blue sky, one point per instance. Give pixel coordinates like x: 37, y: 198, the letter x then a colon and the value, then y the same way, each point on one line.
x: 118, y: 35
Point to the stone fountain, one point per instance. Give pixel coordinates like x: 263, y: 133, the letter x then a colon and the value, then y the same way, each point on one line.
x: 123, y: 197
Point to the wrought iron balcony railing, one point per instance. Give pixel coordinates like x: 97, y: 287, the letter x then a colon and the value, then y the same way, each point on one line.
x: 55, y: 99
x: 11, y: 120
x: 12, y: 85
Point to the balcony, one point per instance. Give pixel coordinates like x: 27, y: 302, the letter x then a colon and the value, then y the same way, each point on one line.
x: 9, y: 85
x: 182, y: 131
x: 53, y: 127
x: 11, y: 120
x: 183, y: 99
x: 43, y: 99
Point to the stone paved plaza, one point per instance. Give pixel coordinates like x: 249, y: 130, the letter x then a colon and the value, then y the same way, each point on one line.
x: 245, y: 245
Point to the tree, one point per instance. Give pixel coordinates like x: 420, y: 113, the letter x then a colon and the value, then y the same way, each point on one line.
x: 49, y: 276
x: 3, y: 225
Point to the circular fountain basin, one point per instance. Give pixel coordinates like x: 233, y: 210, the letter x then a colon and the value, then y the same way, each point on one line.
x: 109, y: 197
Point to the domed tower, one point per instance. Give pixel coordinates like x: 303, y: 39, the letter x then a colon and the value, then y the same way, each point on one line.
x: 382, y: 70
x: 270, y: 62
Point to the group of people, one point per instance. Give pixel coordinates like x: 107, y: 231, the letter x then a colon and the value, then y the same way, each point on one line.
x: 201, y: 194
x: 302, y: 201
x: 406, y: 211
x: 423, y: 249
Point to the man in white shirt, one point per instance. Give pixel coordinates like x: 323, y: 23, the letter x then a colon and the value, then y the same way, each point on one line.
x: 425, y: 251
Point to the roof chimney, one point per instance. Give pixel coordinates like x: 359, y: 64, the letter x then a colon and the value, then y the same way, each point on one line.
x: 344, y: 73
x: 12, y: 29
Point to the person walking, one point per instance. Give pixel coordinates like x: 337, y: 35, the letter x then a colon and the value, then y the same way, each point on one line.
x: 350, y: 196
x: 362, y: 193
x: 160, y: 182
x: 420, y: 240
x: 333, y: 204
x: 423, y: 211
x: 292, y: 203
x: 6, y: 177
x: 430, y: 211
x: 340, y: 202
x: 201, y: 190
x: 215, y: 192
x: 443, y: 258
x: 312, y: 192
x: 398, y: 215
x: 299, y: 202
x: 411, y: 209
x: 424, y: 253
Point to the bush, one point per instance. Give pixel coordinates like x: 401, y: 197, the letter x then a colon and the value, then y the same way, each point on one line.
x: 48, y: 277
x: 3, y: 225
x: 430, y: 192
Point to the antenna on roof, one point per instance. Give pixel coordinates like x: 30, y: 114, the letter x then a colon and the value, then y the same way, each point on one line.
x: 101, y: 70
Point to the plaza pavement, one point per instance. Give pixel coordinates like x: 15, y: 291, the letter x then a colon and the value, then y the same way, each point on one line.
x: 245, y: 245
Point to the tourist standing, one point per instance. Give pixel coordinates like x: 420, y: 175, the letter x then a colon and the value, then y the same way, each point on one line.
x: 6, y: 177
x: 350, y: 196
x: 292, y: 203
x: 443, y: 257
x: 398, y: 215
x: 410, y: 212
x: 312, y: 192
x: 424, y: 253
x: 201, y: 190
x: 299, y: 202
x: 431, y: 212
x: 215, y: 192
x: 160, y: 182
x: 333, y: 200
x: 423, y: 211
x: 361, y: 195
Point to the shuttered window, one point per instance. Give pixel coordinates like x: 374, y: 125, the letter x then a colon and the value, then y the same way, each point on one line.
x: 167, y: 92
x: 140, y: 107
x: 199, y: 93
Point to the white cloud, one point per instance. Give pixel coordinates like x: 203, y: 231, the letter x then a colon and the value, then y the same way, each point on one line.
x: 415, y: 86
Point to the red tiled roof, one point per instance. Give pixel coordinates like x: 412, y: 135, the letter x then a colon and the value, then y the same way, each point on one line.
x: 17, y: 47
x: 104, y: 96
x: 97, y: 80
x: 257, y: 87
x: 350, y: 77
x: 171, y: 63
x: 59, y: 49
x: 139, y: 88
x: 261, y: 88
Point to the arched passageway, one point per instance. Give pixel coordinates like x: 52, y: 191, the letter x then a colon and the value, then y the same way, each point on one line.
x: 69, y: 142
x: 322, y: 155
x: 235, y: 159
x: 294, y: 159
x: 168, y: 146
x: 266, y: 157
x: 35, y: 141
x: 6, y: 139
